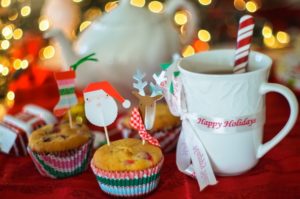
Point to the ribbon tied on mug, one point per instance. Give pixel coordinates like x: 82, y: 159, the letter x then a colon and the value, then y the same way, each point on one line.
x: 191, y: 156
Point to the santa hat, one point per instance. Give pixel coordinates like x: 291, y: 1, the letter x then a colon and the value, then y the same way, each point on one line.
x: 107, y: 87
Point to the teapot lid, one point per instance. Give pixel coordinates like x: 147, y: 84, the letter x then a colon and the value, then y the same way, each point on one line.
x: 126, y: 14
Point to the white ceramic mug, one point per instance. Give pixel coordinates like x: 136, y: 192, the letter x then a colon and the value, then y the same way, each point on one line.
x: 230, y: 108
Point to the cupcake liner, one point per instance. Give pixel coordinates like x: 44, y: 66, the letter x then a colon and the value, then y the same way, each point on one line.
x: 62, y: 164
x: 167, y: 138
x: 128, y: 183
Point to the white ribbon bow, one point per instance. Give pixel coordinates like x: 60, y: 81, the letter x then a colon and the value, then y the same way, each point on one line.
x: 191, y: 156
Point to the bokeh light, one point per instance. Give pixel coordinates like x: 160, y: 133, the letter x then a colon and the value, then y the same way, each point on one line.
x: 204, y: 35
x: 44, y: 24
x: 48, y: 52
x: 270, y: 41
x: 5, y: 44
x: 201, y: 46
x: 20, y: 64
x: 17, y: 64
x: 180, y: 17
x: 110, y: 6
x: 6, y: 31
x: 25, y: 11
x: 188, y: 51
x: 1, y: 68
x: 14, y: 16
x: 239, y: 4
x: 18, y: 33
x: 24, y: 64
x: 5, y: 3
x: 205, y: 2
x: 155, y: 6
x: 5, y: 71
x: 283, y: 37
x: 251, y: 6
x: 10, y: 95
x: 84, y: 25
x: 267, y: 31
x: 138, y: 3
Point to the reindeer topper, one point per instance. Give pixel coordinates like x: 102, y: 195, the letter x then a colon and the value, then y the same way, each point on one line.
x: 147, y: 103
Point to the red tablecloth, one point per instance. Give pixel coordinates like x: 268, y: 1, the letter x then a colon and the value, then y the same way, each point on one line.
x: 277, y: 175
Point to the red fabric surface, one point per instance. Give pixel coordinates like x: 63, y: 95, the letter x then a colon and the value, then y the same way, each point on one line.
x: 277, y: 175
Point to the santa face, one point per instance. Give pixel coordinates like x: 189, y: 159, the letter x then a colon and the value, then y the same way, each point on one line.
x: 100, y: 108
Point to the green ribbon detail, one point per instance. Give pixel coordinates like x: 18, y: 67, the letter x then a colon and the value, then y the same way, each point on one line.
x: 84, y: 59
x: 66, y: 91
x: 171, y: 88
x: 165, y: 66
x: 176, y: 74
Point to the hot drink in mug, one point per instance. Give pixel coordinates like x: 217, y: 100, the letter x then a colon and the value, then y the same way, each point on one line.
x: 229, y: 109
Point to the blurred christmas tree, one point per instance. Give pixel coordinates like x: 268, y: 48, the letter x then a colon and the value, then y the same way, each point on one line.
x: 23, y: 22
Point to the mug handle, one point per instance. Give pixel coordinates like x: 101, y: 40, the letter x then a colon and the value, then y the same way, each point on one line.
x: 293, y: 103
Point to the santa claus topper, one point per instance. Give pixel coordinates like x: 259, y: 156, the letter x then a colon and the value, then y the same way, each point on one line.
x: 100, y: 106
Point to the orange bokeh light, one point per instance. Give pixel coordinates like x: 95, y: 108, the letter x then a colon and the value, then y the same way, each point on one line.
x: 200, y: 46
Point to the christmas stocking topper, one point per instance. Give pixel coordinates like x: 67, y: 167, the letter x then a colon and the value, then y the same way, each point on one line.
x: 66, y: 87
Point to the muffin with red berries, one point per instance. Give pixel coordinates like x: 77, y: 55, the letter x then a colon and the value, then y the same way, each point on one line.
x: 127, y: 167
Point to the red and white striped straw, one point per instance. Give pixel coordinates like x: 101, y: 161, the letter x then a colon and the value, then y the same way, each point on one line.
x: 244, y: 38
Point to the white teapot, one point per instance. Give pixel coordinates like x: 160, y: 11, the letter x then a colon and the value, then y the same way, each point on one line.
x: 124, y: 39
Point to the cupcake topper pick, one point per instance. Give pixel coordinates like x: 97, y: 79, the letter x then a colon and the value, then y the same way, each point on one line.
x: 147, y: 103
x: 137, y: 123
x: 100, y: 106
x: 66, y: 85
x: 142, y: 119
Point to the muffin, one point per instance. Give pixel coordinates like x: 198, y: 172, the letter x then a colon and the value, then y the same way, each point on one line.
x: 166, y: 127
x: 59, y: 151
x: 127, y: 167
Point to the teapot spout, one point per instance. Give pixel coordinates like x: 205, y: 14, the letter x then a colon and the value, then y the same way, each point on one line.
x: 68, y: 55
x: 172, y: 6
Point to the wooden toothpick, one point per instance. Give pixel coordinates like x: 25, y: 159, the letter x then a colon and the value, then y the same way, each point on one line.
x: 106, y: 135
x: 105, y: 130
x: 70, y: 119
